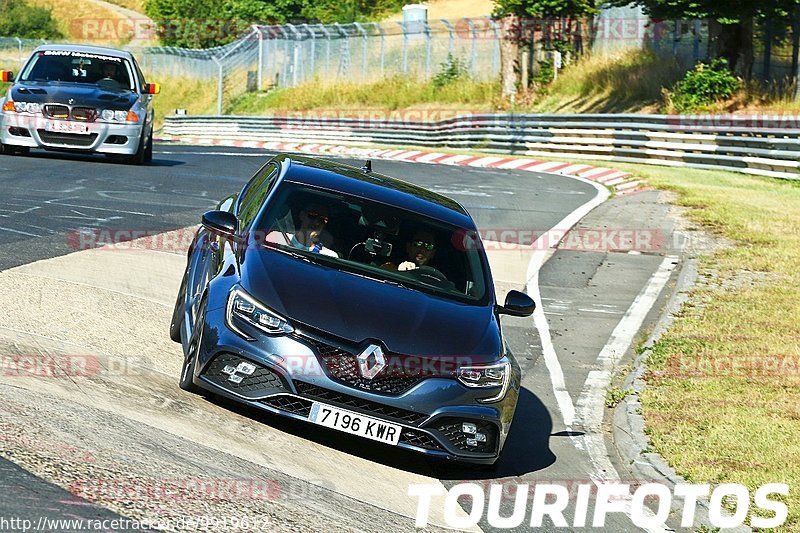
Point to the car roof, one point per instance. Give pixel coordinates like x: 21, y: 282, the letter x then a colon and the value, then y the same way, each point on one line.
x: 86, y: 49
x: 350, y: 180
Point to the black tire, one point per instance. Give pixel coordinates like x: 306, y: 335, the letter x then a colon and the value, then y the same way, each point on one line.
x: 190, y: 357
x: 139, y: 157
x: 176, y: 324
x: 148, y: 151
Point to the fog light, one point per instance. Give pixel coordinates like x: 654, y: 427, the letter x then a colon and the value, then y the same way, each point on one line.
x: 246, y: 368
x: 229, y: 370
x: 472, y: 442
x: 469, y: 428
x: 236, y: 378
x: 480, y: 437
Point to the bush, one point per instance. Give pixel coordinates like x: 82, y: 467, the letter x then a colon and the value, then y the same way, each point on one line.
x: 18, y: 19
x: 703, y: 86
x: 545, y: 73
x: 450, y: 71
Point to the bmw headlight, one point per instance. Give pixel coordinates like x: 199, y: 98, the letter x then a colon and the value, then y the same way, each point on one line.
x: 487, y: 376
x: 109, y: 115
x: 27, y: 107
x: 245, y: 308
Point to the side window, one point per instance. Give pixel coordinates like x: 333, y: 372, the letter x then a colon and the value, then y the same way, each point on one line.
x: 254, y: 194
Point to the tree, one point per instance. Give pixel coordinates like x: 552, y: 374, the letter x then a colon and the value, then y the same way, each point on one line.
x: 18, y: 19
x: 731, y: 23
x: 515, y: 17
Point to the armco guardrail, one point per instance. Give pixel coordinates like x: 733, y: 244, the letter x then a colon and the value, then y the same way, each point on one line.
x: 760, y: 145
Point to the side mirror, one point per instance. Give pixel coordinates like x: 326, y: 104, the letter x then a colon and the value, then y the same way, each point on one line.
x: 518, y: 304
x: 151, y: 88
x: 223, y: 223
x: 6, y: 76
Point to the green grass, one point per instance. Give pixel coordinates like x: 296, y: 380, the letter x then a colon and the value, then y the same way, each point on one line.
x: 630, y: 82
x: 718, y: 425
x: 389, y: 94
x: 195, y: 96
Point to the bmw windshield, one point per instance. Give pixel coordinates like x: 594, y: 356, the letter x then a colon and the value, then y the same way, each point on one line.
x: 375, y: 240
x: 112, y: 73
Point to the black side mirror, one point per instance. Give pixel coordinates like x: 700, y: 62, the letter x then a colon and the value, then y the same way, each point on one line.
x: 518, y: 304
x: 223, y: 223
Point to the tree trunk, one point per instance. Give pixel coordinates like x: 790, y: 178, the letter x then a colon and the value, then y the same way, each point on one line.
x: 733, y: 42
x: 509, y: 55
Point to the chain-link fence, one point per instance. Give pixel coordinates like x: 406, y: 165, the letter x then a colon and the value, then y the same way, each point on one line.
x: 282, y: 56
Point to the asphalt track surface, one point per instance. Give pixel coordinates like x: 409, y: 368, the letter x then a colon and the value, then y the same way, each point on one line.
x: 47, y: 196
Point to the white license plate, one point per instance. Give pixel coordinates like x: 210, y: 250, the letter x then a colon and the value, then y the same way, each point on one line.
x: 66, y: 127
x: 354, y: 423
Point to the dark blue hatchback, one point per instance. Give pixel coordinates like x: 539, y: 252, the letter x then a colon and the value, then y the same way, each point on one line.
x: 353, y: 301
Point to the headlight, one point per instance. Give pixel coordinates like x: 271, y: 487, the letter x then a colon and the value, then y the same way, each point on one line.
x: 109, y: 115
x: 487, y: 376
x: 27, y: 107
x: 242, y: 306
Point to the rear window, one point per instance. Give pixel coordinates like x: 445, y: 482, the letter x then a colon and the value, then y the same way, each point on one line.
x: 113, y: 73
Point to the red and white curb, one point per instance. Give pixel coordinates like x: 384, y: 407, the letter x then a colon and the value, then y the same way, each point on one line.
x: 621, y: 182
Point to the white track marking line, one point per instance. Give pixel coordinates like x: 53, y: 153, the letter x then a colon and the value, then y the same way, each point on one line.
x: 543, y: 248
x: 591, y: 403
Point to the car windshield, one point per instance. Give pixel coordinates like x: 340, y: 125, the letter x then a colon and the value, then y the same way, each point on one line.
x: 113, y: 73
x: 375, y: 240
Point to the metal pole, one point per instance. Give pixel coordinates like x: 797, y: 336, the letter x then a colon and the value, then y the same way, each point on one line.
x: 313, y: 46
x: 383, y: 44
x: 19, y: 50
x: 363, y: 33
x: 327, y: 35
x: 496, y: 46
x: 696, y: 47
x: 219, y: 85
x: 675, y: 37
x: 451, y: 38
x: 767, y: 47
x: 427, y: 50
x: 473, y: 51
x: 260, y: 57
x: 405, y: 47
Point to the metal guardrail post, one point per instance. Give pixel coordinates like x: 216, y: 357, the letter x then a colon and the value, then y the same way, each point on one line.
x: 219, y: 84
x: 295, y: 52
x: 382, y: 33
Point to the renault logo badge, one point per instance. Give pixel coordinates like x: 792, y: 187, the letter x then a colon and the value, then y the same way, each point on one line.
x: 371, y: 361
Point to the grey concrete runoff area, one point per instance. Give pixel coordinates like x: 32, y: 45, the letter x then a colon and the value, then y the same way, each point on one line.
x: 123, y: 441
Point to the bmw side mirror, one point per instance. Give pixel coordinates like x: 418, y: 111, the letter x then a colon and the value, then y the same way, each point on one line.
x: 518, y: 304
x: 6, y: 75
x: 223, y: 223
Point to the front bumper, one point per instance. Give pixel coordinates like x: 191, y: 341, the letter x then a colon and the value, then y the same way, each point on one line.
x: 291, y: 376
x: 20, y: 129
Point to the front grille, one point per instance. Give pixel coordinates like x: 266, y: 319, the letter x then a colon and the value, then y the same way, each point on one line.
x: 55, y: 111
x: 419, y: 439
x: 452, y: 431
x: 343, y: 366
x: 223, y: 371
x: 84, y: 114
x: 69, y: 139
x: 291, y: 404
x: 364, y: 406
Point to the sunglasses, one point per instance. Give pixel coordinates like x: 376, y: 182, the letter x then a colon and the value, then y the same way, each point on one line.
x: 313, y: 215
x: 426, y: 245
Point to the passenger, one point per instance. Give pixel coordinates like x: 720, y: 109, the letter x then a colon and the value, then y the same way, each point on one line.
x: 313, y: 219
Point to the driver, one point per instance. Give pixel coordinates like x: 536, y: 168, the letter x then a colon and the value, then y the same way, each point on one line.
x: 108, y: 71
x: 420, y: 250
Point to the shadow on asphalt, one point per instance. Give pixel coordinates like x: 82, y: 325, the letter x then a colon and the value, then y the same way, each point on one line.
x: 527, y: 447
x: 95, y: 158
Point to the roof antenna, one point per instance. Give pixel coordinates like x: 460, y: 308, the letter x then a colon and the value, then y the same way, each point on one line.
x: 367, y: 166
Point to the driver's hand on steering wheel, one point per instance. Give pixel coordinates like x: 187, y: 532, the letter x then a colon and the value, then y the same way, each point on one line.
x: 406, y: 265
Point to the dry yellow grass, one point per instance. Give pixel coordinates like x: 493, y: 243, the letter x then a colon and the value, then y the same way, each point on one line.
x: 78, y: 19
x: 134, y: 5
x: 453, y: 9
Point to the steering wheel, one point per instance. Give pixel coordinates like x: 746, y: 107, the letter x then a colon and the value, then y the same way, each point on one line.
x: 429, y: 275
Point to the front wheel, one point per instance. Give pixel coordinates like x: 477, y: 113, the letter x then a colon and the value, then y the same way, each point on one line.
x: 176, y: 323
x: 140, y: 157
x: 190, y: 357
